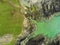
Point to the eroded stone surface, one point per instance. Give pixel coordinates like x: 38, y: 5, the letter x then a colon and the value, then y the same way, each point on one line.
x: 6, y: 39
x: 35, y: 12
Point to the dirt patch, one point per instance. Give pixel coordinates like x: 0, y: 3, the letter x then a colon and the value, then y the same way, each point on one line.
x: 6, y: 39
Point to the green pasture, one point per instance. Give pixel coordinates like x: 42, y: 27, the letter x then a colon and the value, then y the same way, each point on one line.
x: 10, y: 20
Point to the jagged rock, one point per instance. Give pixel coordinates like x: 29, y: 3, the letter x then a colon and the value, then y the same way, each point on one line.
x: 41, y: 40
x: 38, y: 40
x: 55, y: 41
x: 36, y: 11
x: 42, y: 8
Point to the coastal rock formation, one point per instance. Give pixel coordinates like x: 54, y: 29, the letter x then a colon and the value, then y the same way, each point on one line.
x: 41, y: 40
x: 37, y: 11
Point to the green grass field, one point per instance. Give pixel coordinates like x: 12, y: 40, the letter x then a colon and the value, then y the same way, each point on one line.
x: 10, y: 20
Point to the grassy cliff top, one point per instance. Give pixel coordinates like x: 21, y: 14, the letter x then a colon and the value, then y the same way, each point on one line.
x: 10, y: 20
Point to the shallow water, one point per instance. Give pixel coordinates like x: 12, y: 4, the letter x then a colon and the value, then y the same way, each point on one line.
x: 49, y: 28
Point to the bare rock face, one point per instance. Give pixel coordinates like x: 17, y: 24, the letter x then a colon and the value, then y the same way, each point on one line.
x: 41, y: 40
x: 36, y: 41
x: 55, y: 41
x: 6, y: 39
x: 35, y: 11
x: 40, y: 8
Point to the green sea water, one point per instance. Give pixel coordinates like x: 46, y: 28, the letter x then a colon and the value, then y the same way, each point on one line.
x: 49, y: 28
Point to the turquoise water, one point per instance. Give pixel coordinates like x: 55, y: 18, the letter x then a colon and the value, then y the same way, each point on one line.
x: 49, y: 28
